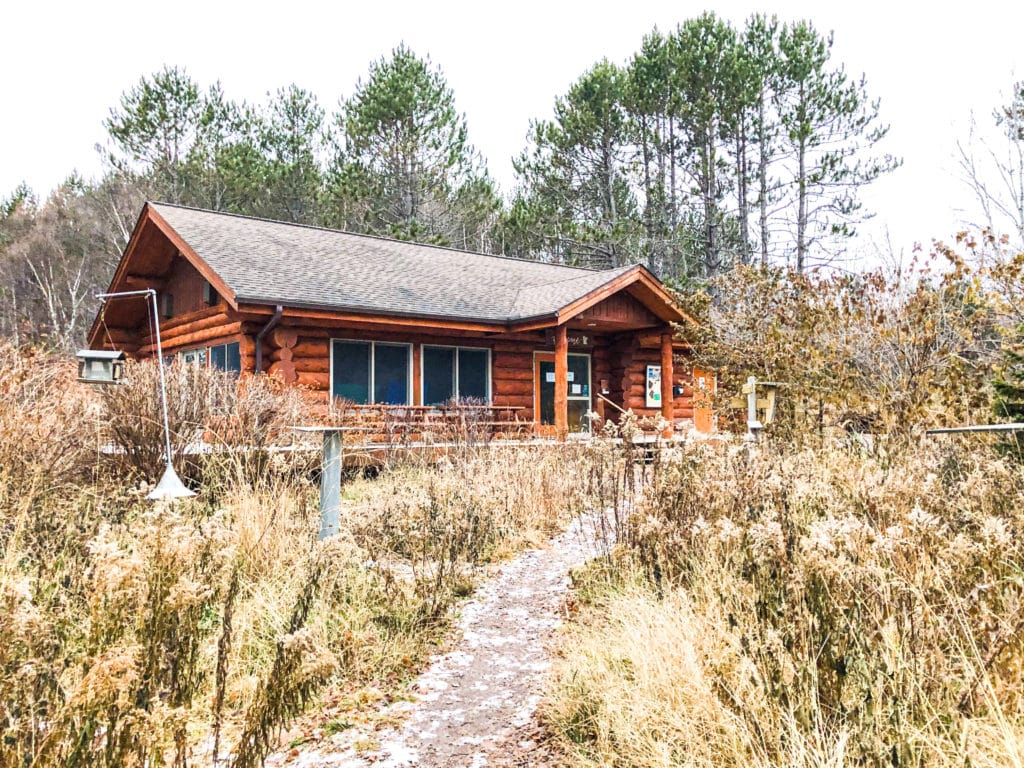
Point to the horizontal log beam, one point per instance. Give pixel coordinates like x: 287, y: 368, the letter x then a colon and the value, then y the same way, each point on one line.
x: 183, y: 329
x: 315, y: 381
x: 221, y: 334
x: 312, y: 364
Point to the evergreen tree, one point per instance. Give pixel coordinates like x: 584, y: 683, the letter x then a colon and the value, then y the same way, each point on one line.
x: 183, y: 145
x: 828, y: 126
x: 157, y: 128
x: 404, y: 166
x: 292, y: 139
x: 575, y: 204
x: 719, y: 138
x: 709, y: 81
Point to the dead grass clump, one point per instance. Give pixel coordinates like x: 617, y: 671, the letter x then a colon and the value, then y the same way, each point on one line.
x: 808, y: 608
x: 49, y: 425
x: 433, y: 528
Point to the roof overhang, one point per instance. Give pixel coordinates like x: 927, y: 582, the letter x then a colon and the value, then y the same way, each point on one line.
x: 154, y: 244
x: 638, y: 281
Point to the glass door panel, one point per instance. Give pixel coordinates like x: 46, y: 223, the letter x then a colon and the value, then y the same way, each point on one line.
x: 577, y: 391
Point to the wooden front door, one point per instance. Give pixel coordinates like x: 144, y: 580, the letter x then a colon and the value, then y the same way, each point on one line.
x: 579, y: 394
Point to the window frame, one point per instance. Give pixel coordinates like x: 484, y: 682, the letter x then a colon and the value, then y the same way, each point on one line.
x: 207, y: 352
x: 456, y: 347
x: 225, y: 369
x: 372, y: 380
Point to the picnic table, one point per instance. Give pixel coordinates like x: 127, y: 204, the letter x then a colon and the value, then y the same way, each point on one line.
x: 387, y: 423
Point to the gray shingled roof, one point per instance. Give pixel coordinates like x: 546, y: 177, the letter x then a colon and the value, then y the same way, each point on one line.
x: 270, y: 262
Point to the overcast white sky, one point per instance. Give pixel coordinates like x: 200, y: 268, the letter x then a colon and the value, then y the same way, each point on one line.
x: 64, y: 67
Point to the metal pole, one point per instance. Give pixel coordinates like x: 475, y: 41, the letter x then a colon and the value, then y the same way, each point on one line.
x: 330, y: 483
x: 163, y: 384
x: 1015, y: 427
x: 170, y: 485
x: 751, y: 402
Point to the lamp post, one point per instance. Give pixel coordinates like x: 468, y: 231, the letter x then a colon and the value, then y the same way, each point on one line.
x: 170, y: 485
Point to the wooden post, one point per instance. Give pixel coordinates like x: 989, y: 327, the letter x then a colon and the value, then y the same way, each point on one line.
x: 417, y: 385
x: 667, y: 399
x: 561, y: 382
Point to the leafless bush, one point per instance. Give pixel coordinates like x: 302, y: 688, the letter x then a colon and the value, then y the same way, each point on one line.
x: 207, y: 410
x: 134, y: 412
x: 49, y: 424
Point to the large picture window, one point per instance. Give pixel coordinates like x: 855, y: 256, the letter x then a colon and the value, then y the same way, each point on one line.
x: 455, y: 373
x: 367, y: 372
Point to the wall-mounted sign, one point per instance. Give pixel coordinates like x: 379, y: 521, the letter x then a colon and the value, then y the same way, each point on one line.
x: 574, y: 339
x: 653, y: 387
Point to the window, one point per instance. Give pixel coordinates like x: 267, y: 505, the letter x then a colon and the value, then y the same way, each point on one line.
x: 370, y: 372
x: 210, y: 296
x: 167, y: 305
x: 194, y: 357
x: 455, y: 373
x: 226, y: 357
x: 222, y: 357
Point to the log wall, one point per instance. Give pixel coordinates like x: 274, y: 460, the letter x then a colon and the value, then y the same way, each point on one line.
x: 301, y: 354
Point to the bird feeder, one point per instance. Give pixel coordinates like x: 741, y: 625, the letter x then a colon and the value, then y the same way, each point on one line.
x: 96, y: 366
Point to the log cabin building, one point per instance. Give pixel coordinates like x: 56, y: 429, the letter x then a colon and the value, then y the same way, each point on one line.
x: 371, y: 320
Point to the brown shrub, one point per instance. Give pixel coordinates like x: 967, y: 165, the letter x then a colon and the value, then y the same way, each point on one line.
x: 799, y: 607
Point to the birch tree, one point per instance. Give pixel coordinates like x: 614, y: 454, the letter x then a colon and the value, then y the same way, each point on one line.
x: 994, y: 169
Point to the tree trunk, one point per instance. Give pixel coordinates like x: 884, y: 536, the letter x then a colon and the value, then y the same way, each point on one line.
x: 742, y: 189
x: 645, y: 150
x: 801, y: 211
x: 762, y: 181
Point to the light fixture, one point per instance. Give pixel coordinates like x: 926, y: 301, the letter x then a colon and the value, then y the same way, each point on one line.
x: 170, y: 485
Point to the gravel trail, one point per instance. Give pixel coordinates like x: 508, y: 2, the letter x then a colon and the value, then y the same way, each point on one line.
x: 475, y: 704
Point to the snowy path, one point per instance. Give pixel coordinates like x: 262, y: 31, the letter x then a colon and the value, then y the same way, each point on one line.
x: 475, y: 704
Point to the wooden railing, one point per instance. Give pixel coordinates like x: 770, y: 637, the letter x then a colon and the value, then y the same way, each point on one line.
x: 452, y: 422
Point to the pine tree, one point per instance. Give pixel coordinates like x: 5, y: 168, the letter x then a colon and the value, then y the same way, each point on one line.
x: 829, y: 126
x: 575, y: 204
x: 404, y: 166
x: 292, y: 138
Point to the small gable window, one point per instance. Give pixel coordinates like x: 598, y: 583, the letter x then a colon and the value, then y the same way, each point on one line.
x: 209, y: 294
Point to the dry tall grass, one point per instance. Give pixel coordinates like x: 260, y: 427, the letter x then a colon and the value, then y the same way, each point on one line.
x: 806, y: 608
x: 134, y: 634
